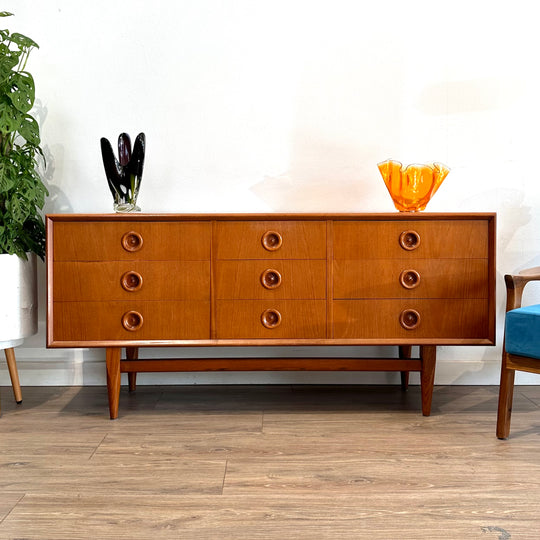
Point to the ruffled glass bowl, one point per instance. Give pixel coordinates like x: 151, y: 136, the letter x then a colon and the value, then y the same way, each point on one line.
x: 412, y: 187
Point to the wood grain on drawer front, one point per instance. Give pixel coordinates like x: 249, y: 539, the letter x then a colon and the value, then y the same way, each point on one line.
x: 245, y: 319
x: 100, y: 321
x: 124, y: 280
x: 448, y: 239
x: 97, y: 241
x: 294, y: 279
x: 418, y: 278
x: 449, y: 318
x: 283, y: 240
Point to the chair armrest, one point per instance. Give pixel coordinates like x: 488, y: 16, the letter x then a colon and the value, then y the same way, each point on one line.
x: 515, y: 284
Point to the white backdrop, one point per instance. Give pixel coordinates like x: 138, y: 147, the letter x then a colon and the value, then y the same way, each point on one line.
x: 252, y: 106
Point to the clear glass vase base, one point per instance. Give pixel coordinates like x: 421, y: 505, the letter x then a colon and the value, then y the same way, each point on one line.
x: 125, y: 208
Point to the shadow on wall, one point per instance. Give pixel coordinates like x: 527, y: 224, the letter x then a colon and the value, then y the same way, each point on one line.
x: 57, y: 200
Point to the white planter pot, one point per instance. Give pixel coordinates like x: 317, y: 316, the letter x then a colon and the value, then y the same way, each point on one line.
x: 18, y: 299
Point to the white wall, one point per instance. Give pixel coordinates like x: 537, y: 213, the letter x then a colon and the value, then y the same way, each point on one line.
x: 288, y: 105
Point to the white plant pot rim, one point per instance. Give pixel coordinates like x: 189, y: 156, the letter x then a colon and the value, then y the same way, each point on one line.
x: 11, y: 343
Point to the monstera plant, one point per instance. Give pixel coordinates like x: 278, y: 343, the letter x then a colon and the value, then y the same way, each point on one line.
x: 22, y: 192
x: 22, y: 196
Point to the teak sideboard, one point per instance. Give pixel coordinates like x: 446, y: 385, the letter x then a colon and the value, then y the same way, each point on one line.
x: 126, y: 281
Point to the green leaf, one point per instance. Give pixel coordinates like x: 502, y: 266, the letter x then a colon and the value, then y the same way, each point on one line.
x: 10, y: 117
x: 23, y: 41
x: 29, y: 129
x: 8, y: 176
x: 19, y: 212
x: 8, y: 60
x: 22, y: 92
x: 5, y: 14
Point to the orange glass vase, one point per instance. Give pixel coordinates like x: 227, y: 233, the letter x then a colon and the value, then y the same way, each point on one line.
x: 412, y: 187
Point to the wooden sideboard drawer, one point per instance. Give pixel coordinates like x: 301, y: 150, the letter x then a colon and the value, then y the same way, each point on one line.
x: 135, y: 320
x: 293, y: 279
x: 125, y: 280
x: 270, y: 239
x: 449, y: 239
x: 412, y: 319
x: 256, y: 319
x: 103, y: 240
x: 418, y: 278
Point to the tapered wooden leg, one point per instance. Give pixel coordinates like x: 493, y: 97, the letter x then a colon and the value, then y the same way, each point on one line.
x: 428, y: 354
x: 132, y: 380
x: 506, y: 396
x: 405, y: 351
x: 14, y: 374
x: 132, y: 353
x: 113, y: 379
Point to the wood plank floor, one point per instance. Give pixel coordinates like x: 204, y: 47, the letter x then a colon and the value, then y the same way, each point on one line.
x: 268, y: 462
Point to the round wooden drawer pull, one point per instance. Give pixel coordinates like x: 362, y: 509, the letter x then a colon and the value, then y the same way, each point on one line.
x: 131, y: 281
x: 409, y: 319
x: 409, y: 240
x: 132, y: 321
x: 271, y: 240
x: 271, y: 279
x: 271, y: 318
x: 132, y: 241
x: 410, y: 279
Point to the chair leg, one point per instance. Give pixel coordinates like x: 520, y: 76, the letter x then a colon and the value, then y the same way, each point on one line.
x: 14, y: 374
x: 506, y: 395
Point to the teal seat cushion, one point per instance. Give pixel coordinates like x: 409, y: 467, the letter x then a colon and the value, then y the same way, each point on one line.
x: 522, y: 332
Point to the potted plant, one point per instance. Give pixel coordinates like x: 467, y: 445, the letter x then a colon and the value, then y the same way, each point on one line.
x: 22, y: 195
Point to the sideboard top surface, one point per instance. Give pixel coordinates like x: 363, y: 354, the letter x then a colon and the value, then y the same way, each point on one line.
x: 395, y: 216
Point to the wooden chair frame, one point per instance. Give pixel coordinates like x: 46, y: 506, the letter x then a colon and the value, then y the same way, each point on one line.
x: 515, y: 284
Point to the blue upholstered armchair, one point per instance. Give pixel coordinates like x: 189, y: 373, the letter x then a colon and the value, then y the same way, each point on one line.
x: 521, y: 348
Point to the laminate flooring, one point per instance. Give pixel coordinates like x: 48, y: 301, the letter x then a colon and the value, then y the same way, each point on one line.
x: 268, y: 462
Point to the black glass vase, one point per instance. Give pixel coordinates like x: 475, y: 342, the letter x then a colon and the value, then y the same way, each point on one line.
x: 124, y: 174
